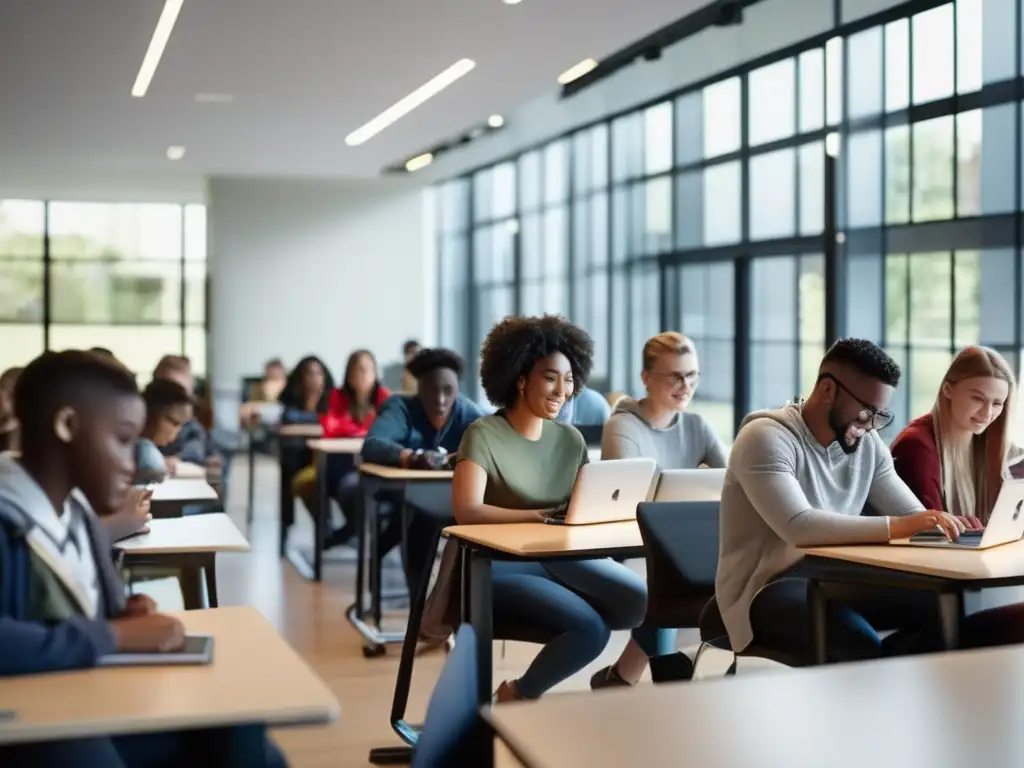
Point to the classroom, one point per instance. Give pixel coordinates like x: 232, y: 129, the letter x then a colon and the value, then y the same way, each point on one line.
x: 511, y: 383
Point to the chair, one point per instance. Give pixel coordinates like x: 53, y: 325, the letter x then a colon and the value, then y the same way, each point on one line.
x: 681, y: 544
x: 592, y: 433
x: 453, y: 732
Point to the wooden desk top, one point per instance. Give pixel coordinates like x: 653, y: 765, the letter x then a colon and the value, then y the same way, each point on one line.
x: 397, y: 473
x: 349, y: 445
x: 188, y: 471
x: 300, y: 430
x: 1002, y: 562
x: 185, y: 535
x: 540, y: 539
x: 183, y: 489
x: 255, y: 677
x: 819, y: 716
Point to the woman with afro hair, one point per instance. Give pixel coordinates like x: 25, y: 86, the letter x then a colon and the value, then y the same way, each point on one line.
x: 517, y: 466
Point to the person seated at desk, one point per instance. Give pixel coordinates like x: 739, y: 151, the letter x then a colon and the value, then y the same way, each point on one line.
x: 351, y: 409
x: 659, y: 427
x: 519, y: 464
x: 421, y: 431
x: 62, y: 605
x: 588, y: 408
x: 956, y: 457
x: 168, y: 409
x: 801, y: 476
x: 267, y: 390
x: 193, y: 444
x: 8, y: 424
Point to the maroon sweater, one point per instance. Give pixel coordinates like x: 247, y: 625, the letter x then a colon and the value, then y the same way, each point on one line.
x: 915, y: 455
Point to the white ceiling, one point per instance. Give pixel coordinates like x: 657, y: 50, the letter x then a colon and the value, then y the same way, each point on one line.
x: 305, y: 73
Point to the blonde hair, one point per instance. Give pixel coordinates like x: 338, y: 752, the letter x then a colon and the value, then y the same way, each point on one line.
x: 664, y: 343
x: 972, y: 476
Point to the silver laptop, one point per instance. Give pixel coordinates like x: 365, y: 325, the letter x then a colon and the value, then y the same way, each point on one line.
x: 607, y: 491
x: 690, y: 485
x: 1006, y: 524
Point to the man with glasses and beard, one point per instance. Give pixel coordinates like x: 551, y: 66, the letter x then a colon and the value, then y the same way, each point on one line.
x: 801, y: 476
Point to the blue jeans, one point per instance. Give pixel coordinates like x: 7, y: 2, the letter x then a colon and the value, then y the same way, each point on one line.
x: 577, y: 603
x: 654, y: 640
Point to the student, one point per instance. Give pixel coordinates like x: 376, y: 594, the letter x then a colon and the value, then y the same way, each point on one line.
x: 62, y: 605
x: 168, y: 409
x: 519, y: 464
x: 421, y: 431
x: 658, y: 427
x: 955, y: 457
x: 588, y: 408
x: 8, y: 423
x: 267, y: 390
x: 193, y: 443
x: 397, y: 375
x: 307, y: 392
x: 351, y: 409
x: 801, y: 476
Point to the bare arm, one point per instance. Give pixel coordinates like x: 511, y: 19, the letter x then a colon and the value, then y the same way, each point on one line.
x: 468, y: 487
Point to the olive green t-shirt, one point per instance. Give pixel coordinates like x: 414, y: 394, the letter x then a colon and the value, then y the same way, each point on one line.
x: 522, y: 473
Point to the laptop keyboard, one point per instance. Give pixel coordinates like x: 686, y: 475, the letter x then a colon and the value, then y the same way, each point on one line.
x: 967, y: 538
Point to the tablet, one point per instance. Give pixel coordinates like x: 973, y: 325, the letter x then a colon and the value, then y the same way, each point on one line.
x: 198, y: 649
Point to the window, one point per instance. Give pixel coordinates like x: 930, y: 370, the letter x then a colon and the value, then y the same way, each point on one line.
x: 772, y: 109
x: 22, y: 225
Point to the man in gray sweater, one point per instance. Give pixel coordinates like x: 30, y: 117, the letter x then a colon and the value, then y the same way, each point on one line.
x: 801, y: 477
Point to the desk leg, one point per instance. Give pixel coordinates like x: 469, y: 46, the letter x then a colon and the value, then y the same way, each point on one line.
x: 951, y: 605
x: 210, y: 574
x: 320, y: 514
x: 376, y: 568
x: 250, y: 510
x: 481, y: 613
x: 191, y: 588
x: 818, y: 616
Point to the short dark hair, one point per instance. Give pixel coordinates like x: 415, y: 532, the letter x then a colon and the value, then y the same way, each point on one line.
x: 163, y: 394
x: 428, y: 360
x: 866, y: 357
x: 56, y: 380
x: 410, y: 345
x: 102, y: 351
x: 514, y: 346
x: 169, y: 363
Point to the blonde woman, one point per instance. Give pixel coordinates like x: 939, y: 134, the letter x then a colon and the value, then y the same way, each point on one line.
x: 954, y: 458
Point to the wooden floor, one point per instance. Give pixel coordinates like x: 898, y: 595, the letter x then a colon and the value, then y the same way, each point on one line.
x: 312, y: 618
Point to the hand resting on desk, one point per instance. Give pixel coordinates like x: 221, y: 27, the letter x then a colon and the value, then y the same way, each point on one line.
x: 150, y: 633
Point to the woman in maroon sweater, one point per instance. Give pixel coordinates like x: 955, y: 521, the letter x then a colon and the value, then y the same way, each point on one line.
x: 954, y: 458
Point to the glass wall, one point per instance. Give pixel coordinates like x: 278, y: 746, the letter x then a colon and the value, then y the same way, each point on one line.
x: 704, y: 212
x: 128, y: 277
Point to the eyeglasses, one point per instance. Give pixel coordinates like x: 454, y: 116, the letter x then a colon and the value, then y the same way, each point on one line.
x: 878, y: 418
x: 690, y: 378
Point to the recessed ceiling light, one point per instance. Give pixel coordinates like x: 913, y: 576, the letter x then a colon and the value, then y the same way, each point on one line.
x: 215, y: 98
x: 495, y: 121
x: 511, y: 2
x: 577, y: 71
x: 155, y: 52
x: 420, y: 161
x: 406, y: 105
x: 175, y: 152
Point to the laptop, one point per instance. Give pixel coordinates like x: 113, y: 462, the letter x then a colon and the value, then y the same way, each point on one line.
x: 1006, y: 524
x: 607, y: 491
x: 690, y: 485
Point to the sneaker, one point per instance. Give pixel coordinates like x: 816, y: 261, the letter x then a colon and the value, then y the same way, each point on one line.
x: 607, y: 677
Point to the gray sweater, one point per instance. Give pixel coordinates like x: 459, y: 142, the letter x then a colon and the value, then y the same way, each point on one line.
x: 686, y: 443
x: 784, y: 491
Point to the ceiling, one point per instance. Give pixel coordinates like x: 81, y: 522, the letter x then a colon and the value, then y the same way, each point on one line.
x: 304, y: 73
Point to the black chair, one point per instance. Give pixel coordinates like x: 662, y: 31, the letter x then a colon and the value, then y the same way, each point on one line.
x: 592, y: 433
x: 681, y: 544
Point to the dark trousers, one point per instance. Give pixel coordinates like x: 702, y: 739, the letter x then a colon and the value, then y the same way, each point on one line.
x: 224, y: 747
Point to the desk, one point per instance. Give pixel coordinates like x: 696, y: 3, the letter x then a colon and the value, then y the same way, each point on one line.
x: 300, y: 430
x: 528, y: 541
x: 321, y: 448
x: 189, y: 543
x: 170, y: 496
x: 255, y: 677
x: 188, y: 471
x: 749, y: 721
x: 373, y: 479
x: 946, y: 572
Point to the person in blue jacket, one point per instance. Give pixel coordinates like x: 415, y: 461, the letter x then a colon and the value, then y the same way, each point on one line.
x: 62, y: 605
x: 420, y: 431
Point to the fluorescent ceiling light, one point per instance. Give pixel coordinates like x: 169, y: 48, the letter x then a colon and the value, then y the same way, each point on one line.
x: 420, y: 161
x: 401, y: 108
x: 156, y: 47
x: 495, y: 121
x: 175, y: 152
x: 577, y: 71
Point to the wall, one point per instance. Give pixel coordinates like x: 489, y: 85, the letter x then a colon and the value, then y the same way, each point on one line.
x: 314, y: 267
x: 34, y: 182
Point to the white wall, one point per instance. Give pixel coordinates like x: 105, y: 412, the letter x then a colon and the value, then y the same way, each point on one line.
x: 314, y: 267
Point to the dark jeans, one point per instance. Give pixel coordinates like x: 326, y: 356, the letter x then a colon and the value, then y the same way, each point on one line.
x: 780, y: 617
x: 224, y: 747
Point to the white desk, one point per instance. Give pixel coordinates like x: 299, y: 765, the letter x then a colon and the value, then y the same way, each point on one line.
x: 255, y: 677
x: 183, y: 490
x: 187, y: 535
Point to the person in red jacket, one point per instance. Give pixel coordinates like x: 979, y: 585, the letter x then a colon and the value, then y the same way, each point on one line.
x: 353, y: 406
x: 954, y: 458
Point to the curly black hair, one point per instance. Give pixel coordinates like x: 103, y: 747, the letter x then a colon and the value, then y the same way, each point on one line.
x: 428, y: 360
x: 516, y: 343
x: 866, y: 357
x: 292, y: 395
